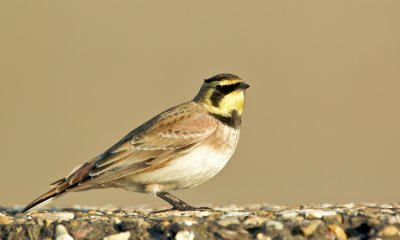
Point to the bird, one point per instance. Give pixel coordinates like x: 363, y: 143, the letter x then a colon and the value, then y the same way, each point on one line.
x: 179, y: 148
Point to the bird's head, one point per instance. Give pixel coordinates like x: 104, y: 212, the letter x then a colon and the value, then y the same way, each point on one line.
x: 222, y: 94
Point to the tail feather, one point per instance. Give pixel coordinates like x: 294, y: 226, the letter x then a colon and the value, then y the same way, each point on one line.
x: 56, y: 183
x: 61, y: 187
x: 43, y: 200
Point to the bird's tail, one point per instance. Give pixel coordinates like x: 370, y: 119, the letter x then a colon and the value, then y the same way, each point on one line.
x: 61, y: 187
x: 43, y: 200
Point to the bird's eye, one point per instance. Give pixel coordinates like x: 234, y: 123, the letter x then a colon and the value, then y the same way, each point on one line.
x: 218, y: 87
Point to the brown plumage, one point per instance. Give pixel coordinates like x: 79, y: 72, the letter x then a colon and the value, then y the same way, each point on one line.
x: 152, y: 147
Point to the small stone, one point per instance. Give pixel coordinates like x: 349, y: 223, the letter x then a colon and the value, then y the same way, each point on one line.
x: 309, y: 229
x: 228, y: 234
x: 264, y: 213
x: 339, y: 232
x: 117, y: 221
x: 165, y: 224
x: 238, y: 214
x: 81, y: 232
x: 94, y: 212
x: 4, y: 220
x: 333, y: 219
x: 288, y: 214
x: 371, y: 211
x: 133, y: 223
x: 387, y: 211
x: 389, y: 231
x: 184, y: 235
x: 119, y: 236
x: 228, y: 221
x: 394, y: 219
x: 298, y: 219
x: 200, y: 214
x: 254, y: 221
x: 186, y: 221
x: 54, y: 216
x: 189, y: 222
x: 261, y: 236
x: 371, y: 205
x: 386, y: 205
x: 274, y: 224
x: 317, y: 213
x: 374, y: 221
x: 62, y: 234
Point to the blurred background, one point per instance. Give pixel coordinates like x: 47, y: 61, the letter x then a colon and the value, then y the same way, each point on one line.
x: 321, y: 122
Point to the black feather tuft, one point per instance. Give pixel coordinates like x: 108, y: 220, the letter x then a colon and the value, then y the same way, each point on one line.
x: 233, y: 120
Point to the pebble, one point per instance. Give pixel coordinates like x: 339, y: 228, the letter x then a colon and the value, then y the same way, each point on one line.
x: 261, y: 236
x: 118, y: 236
x: 238, y: 214
x: 387, y: 211
x: 228, y: 221
x: 310, y: 228
x: 62, y: 233
x: 53, y: 216
x: 274, y: 224
x: 334, y: 219
x: 289, y: 213
x: 189, y: 222
x: 254, y: 221
x: 94, y: 212
x: 394, y: 219
x: 316, y: 213
x: 81, y: 232
x: 200, y: 214
x: 339, y: 232
x: 184, y: 235
x: 228, y: 234
x: 4, y: 220
x: 389, y: 231
x: 386, y: 205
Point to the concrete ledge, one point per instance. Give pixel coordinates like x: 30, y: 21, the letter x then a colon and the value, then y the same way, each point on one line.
x: 263, y: 221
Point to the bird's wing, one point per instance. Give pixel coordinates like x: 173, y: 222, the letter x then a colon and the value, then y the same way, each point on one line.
x: 171, y: 133
x: 162, y: 138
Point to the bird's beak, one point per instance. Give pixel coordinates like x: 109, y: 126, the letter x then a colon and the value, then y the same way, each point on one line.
x: 243, y: 85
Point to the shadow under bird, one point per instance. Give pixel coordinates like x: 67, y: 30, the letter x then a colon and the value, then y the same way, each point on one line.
x: 181, y: 147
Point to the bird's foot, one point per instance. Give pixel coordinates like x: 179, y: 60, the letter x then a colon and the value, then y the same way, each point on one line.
x: 189, y: 208
x: 178, y: 204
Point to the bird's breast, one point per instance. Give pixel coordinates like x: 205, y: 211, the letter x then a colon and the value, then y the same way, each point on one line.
x: 196, y: 166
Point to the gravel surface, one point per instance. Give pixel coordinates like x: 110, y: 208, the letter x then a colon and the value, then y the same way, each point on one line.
x: 262, y: 221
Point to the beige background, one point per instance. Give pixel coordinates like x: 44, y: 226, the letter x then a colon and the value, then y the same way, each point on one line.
x: 322, y: 115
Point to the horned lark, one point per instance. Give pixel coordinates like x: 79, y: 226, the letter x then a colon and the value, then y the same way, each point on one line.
x: 180, y: 148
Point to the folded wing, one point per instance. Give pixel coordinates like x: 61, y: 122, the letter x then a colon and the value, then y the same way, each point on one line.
x: 174, y: 132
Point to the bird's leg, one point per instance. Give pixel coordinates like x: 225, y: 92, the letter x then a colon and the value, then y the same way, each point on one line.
x: 177, y: 204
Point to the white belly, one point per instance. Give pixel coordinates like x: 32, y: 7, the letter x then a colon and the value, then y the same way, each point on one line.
x: 194, y: 168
